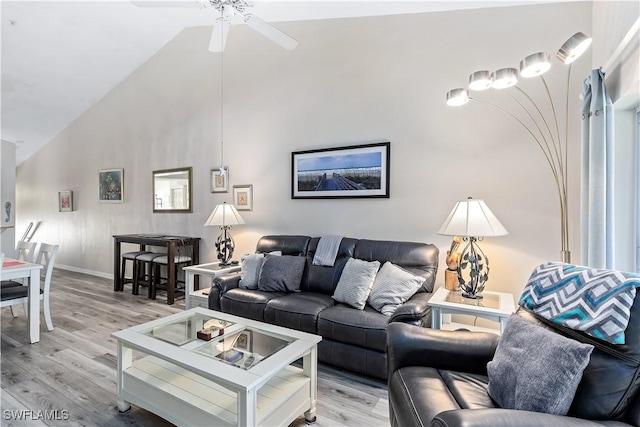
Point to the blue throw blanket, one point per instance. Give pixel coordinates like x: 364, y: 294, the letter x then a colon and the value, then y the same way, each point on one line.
x: 327, y: 250
x: 595, y: 301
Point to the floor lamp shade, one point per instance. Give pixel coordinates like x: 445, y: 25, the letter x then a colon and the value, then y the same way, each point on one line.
x: 224, y: 216
x: 472, y: 219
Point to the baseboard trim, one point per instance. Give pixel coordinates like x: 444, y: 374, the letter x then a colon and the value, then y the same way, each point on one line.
x: 84, y: 271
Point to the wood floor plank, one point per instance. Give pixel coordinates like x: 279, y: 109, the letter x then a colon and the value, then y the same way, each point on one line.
x: 73, y: 367
x: 17, y: 415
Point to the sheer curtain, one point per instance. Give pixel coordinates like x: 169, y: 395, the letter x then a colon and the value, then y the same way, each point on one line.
x: 597, y: 189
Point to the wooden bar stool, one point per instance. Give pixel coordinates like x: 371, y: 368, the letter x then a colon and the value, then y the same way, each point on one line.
x: 131, y: 256
x: 144, y: 272
x: 179, y: 261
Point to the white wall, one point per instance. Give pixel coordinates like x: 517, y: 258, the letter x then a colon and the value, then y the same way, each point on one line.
x: 350, y: 81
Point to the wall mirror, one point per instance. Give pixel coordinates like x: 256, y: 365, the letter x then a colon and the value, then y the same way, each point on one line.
x: 172, y: 190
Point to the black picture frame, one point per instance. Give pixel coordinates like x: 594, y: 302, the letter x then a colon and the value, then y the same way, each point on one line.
x: 354, y: 171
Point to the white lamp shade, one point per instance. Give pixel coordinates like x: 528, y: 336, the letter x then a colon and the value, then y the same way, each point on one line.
x: 472, y: 218
x: 457, y: 97
x: 535, y: 65
x: 480, y: 80
x: 224, y: 214
x: 573, y: 48
x: 504, y: 78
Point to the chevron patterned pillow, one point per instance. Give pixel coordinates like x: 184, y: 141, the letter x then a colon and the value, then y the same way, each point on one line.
x: 595, y: 301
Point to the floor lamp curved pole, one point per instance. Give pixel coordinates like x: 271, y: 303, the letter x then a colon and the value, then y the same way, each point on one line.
x: 554, y: 148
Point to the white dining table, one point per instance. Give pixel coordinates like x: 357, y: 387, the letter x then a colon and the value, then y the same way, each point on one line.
x: 15, y: 269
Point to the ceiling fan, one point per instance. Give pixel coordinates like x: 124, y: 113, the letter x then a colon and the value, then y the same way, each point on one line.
x: 228, y: 9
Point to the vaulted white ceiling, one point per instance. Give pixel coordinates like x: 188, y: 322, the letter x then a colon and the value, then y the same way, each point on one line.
x: 60, y: 57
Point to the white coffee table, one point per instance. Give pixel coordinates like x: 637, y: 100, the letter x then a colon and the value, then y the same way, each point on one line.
x: 494, y: 306
x: 212, y: 269
x: 183, y: 380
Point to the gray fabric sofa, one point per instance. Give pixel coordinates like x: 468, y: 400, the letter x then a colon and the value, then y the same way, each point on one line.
x: 353, y: 339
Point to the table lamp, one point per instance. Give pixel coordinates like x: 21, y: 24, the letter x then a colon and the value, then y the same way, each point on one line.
x: 224, y: 215
x: 472, y: 220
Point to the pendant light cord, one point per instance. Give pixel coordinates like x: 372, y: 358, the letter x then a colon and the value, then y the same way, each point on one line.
x: 222, y: 92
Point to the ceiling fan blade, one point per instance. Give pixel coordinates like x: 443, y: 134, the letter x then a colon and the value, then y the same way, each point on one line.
x: 219, y: 35
x: 160, y: 3
x: 270, y: 32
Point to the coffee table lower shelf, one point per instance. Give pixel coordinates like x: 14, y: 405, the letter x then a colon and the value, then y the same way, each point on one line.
x: 185, y: 398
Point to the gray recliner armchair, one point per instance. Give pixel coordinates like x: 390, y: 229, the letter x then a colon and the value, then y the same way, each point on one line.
x: 439, y: 378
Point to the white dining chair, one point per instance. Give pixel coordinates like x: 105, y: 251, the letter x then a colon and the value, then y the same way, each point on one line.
x: 16, y: 295
x: 25, y: 251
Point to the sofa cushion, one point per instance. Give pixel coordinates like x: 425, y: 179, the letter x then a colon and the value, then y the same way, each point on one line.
x: 297, y: 310
x: 366, y: 328
x: 281, y: 273
x: 392, y: 287
x: 535, y: 369
x: 355, y: 282
x: 247, y: 303
x: 288, y: 245
x: 417, y: 393
x: 323, y: 279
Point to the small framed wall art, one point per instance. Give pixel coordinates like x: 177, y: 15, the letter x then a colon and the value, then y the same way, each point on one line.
x: 220, y: 180
x: 243, y: 197
x: 65, y: 201
x: 110, y: 185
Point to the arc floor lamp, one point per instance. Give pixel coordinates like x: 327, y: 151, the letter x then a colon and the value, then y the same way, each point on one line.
x: 544, y: 129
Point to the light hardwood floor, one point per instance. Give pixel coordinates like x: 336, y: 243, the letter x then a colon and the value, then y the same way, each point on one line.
x: 73, y: 368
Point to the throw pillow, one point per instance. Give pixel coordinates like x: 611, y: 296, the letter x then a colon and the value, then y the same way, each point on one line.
x: 355, y: 282
x: 593, y: 300
x: 250, y: 270
x: 534, y: 369
x: 392, y: 287
x: 281, y: 273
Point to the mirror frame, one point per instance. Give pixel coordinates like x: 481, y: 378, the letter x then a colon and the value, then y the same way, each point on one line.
x: 188, y: 209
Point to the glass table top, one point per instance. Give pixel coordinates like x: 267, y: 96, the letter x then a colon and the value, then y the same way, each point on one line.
x: 237, y: 345
x: 186, y: 330
x: 487, y: 300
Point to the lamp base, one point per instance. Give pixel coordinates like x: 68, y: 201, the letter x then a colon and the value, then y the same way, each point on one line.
x: 225, y: 246
x: 472, y: 296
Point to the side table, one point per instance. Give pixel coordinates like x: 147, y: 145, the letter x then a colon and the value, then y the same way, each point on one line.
x: 193, y: 297
x: 494, y: 306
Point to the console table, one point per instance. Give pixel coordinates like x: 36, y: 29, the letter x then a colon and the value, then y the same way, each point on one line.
x: 172, y: 243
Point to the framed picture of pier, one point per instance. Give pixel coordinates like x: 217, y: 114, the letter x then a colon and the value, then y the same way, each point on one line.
x: 342, y: 172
